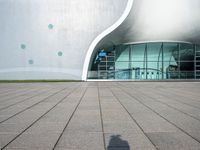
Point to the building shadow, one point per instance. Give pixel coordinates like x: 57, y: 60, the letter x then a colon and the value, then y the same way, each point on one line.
x: 117, y: 143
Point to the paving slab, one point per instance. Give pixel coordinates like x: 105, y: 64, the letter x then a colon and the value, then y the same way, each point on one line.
x: 100, y: 116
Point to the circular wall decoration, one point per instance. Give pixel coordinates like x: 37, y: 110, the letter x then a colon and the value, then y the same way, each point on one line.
x: 60, y: 53
x: 23, y: 46
x: 30, y: 61
x: 50, y: 26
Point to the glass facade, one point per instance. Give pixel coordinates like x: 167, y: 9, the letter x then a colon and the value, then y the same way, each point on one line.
x: 147, y: 61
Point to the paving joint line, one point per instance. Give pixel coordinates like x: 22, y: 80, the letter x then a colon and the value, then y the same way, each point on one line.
x: 156, y: 100
x: 81, y: 98
x: 21, y: 101
x: 134, y: 120
x: 12, y: 90
x: 161, y: 116
x: 160, y: 92
x: 34, y: 104
x: 188, y: 93
x: 39, y: 118
x: 21, y: 94
x: 181, y: 101
x: 101, y: 116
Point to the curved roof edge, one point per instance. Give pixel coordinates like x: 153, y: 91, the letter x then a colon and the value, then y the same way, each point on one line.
x: 102, y: 35
x: 157, y: 41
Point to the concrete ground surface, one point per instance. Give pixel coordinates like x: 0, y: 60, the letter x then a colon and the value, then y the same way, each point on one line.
x: 100, y: 115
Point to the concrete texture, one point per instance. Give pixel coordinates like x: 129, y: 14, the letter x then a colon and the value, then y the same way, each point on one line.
x: 49, y: 39
x: 100, y: 116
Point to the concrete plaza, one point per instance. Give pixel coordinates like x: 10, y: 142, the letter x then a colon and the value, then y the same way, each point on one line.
x: 100, y: 115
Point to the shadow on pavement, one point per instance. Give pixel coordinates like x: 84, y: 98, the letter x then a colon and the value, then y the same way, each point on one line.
x: 116, y: 143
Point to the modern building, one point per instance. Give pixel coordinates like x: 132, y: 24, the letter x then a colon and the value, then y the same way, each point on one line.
x: 100, y: 39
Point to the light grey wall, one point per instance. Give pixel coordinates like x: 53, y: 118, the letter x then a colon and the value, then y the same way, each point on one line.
x: 75, y: 25
x: 158, y: 20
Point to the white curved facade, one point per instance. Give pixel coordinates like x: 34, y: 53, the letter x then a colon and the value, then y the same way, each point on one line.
x: 160, y: 20
x: 56, y: 39
x: 49, y: 39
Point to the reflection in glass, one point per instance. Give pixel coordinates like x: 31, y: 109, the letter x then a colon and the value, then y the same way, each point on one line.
x: 138, y: 52
x: 147, y: 61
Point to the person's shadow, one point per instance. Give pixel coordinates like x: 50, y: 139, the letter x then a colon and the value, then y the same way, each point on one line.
x: 116, y: 143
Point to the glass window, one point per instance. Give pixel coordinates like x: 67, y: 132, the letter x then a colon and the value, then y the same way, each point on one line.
x: 168, y: 65
x: 153, y: 74
x: 171, y: 70
x: 186, y: 52
x: 110, y: 59
x: 187, y: 66
x: 138, y: 64
x: 170, y: 52
x: 154, y: 51
x: 198, y: 58
x: 186, y: 74
x: 122, y: 74
x: 137, y: 52
x: 174, y: 61
x: 121, y: 65
x: 154, y: 65
x: 122, y: 53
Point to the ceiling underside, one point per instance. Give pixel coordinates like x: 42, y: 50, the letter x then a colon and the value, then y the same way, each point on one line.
x: 158, y: 20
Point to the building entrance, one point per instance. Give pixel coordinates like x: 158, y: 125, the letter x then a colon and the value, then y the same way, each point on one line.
x: 147, y: 61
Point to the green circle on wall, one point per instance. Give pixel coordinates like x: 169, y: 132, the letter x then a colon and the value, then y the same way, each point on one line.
x: 23, y: 46
x: 60, y: 53
x: 31, y: 62
x: 50, y: 26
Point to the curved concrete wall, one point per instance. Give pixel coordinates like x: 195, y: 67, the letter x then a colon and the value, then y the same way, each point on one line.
x: 52, y: 39
x: 156, y: 20
x: 49, y: 39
